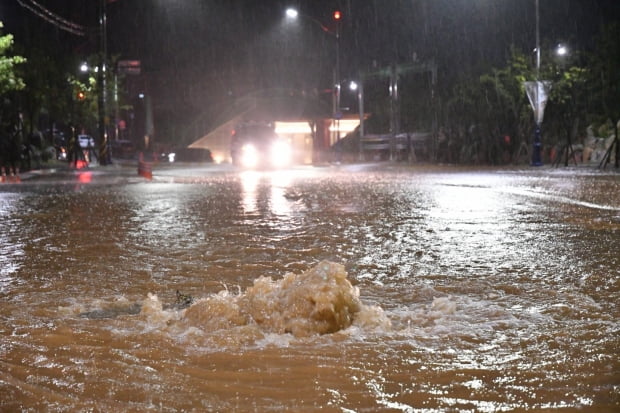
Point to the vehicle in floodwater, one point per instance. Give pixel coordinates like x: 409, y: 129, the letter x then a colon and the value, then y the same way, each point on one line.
x: 257, y: 145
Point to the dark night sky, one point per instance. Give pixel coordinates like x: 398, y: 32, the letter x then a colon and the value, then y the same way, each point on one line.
x: 222, y: 34
x: 217, y: 46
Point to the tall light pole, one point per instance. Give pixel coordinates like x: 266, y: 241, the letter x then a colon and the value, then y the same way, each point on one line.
x: 292, y: 13
x: 337, y: 112
x: 537, y: 92
x: 536, y: 150
x: 104, y: 150
x: 359, y: 88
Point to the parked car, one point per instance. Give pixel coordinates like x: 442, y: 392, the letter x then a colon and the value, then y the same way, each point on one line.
x: 258, y: 145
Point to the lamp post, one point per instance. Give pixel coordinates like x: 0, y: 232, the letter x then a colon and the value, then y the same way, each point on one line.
x: 338, y: 111
x: 537, y: 92
x: 292, y: 13
x: 104, y: 144
x: 359, y: 88
x: 536, y: 154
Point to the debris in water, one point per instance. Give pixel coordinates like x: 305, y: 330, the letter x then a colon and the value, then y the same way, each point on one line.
x: 183, y: 301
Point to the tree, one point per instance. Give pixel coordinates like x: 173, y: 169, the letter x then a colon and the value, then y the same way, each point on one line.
x: 9, y: 79
x: 488, y: 108
x: 568, y: 106
x: 10, y: 121
x: 604, y: 81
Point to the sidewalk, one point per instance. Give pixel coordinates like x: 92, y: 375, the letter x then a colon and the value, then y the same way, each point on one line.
x: 56, y: 167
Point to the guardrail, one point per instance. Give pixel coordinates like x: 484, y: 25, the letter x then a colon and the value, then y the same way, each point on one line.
x: 403, y: 146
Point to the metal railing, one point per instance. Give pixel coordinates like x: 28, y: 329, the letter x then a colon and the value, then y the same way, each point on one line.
x: 403, y: 146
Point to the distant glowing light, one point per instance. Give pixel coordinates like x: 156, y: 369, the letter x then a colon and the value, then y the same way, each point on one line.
x: 291, y: 13
x: 249, y: 156
x: 281, y: 154
x: 345, y: 126
x: 292, y: 128
x: 562, y: 50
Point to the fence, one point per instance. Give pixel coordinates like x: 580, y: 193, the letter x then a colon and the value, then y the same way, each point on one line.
x: 403, y: 146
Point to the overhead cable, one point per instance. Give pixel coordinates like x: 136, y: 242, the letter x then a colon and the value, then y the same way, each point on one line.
x: 53, y: 18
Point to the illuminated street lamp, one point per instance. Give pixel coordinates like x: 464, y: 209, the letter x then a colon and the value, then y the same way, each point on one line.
x: 561, y: 50
x: 359, y: 88
x: 537, y: 92
x: 292, y: 13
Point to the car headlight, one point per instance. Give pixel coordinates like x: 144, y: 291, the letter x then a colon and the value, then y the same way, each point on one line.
x: 281, y: 153
x: 249, y: 156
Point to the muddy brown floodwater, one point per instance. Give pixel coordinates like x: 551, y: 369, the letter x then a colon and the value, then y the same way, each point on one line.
x: 360, y: 288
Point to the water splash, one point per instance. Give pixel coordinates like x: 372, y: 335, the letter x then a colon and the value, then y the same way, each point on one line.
x: 318, y: 301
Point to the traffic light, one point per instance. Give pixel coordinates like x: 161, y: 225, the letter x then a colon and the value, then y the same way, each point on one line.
x: 81, y: 95
x: 337, y: 15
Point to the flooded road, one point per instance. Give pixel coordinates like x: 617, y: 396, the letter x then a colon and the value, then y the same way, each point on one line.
x: 361, y: 288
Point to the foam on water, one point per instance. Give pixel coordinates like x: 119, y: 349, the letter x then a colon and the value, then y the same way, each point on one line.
x: 316, y: 302
x: 322, y: 302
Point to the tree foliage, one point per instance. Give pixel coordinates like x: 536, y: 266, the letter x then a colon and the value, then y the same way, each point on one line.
x: 585, y: 91
x: 483, y: 110
x: 9, y: 79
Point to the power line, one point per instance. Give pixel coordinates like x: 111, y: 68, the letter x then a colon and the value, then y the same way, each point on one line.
x: 53, y: 18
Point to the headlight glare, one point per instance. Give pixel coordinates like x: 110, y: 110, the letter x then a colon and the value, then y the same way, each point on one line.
x: 281, y: 153
x: 249, y: 156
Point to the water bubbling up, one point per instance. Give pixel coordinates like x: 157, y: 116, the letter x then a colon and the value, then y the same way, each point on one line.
x: 318, y: 301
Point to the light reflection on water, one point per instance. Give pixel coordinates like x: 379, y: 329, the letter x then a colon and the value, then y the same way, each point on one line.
x: 501, y: 289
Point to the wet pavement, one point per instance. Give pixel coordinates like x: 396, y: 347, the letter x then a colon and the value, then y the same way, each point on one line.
x: 375, y: 287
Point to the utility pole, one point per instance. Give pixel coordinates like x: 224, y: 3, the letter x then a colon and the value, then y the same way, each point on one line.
x: 104, y: 149
x: 536, y: 154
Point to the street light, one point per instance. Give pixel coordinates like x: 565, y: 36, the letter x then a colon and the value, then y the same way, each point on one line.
x: 561, y: 50
x: 537, y: 94
x: 359, y: 88
x: 104, y: 144
x: 292, y: 14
